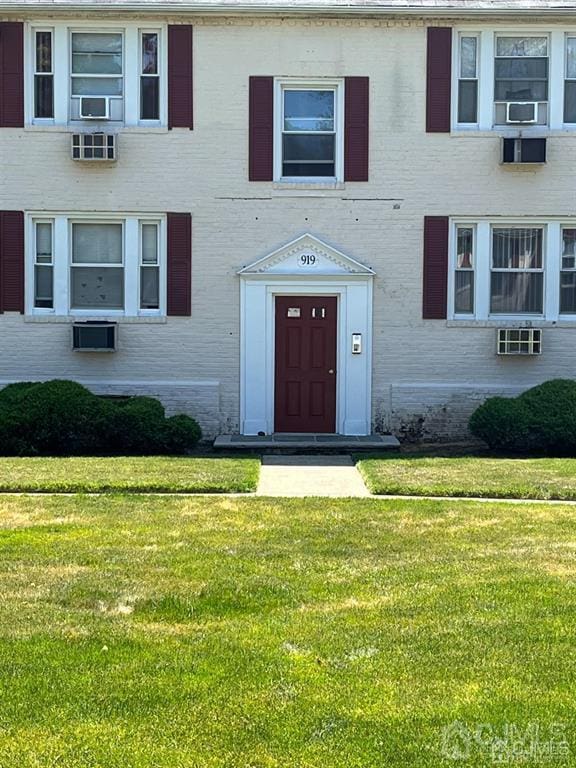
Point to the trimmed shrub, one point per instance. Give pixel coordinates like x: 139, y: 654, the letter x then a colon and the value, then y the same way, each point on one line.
x: 541, y: 419
x: 65, y: 418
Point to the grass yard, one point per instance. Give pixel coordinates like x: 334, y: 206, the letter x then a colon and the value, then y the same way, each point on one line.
x: 166, y: 632
x: 480, y: 476
x: 174, y: 474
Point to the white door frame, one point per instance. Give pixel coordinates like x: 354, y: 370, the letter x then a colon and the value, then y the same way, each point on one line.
x: 277, y: 275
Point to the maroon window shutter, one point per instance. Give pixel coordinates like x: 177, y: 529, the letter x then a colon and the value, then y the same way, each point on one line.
x: 438, y: 79
x: 435, y: 284
x: 261, y: 129
x: 11, y: 74
x: 180, y: 76
x: 356, y: 106
x: 11, y: 261
x: 179, y: 276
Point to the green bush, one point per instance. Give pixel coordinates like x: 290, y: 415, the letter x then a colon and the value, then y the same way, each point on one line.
x: 542, y: 419
x: 65, y: 418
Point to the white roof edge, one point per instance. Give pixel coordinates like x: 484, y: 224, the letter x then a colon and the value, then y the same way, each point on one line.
x: 287, y: 8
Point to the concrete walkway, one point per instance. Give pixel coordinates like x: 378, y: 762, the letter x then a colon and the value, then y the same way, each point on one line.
x: 335, y: 476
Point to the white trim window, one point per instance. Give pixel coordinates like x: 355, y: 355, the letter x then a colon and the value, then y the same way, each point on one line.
x: 513, y: 270
x: 570, y: 81
x: 468, y: 50
x: 96, y: 266
x: 89, y: 76
x: 309, y: 136
x: 43, y: 74
x: 517, y: 271
x: 43, y: 264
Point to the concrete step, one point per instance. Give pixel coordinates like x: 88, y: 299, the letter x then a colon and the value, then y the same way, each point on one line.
x: 283, y: 442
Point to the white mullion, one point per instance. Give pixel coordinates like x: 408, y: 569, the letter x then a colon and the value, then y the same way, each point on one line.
x: 486, y: 81
x: 61, y: 259
x: 553, y: 246
x: 60, y: 43
x: 556, y: 78
x: 482, y: 297
x: 131, y: 266
x: 131, y: 75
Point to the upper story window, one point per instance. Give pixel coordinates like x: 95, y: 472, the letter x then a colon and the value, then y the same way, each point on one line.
x: 514, y: 80
x: 101, y: 75
x: 521, y: 80
x: 101, y: 266
x: 96, y: 76
x: 309, y: 134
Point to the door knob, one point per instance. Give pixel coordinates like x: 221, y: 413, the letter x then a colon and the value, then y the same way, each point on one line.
x: 331, y: 370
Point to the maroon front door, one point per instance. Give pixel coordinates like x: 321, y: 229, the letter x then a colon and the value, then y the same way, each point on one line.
x: 305, y: 369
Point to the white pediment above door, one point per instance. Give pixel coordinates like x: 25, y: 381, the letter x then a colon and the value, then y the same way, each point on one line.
x: 306, y: 256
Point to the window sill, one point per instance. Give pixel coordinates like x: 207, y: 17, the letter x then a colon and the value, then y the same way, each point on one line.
x: 105, y: 128
x: 508, y: 322
x: 540, y: 132
x: 308, y: 185
x: 121, y: 319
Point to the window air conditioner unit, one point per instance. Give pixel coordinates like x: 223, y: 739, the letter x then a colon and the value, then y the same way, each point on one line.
x: 523, y: 151
x: 94, y: 336
x: 94, y: 146
x: 524, y: 112
x: 94, y: 108
x: 519, y: 341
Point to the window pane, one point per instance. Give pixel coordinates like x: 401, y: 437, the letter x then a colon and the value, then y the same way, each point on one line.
x: 522, y: 46
x: 464, y: 292
x: 526, y: 69
x: 517, y: 248
x: 324, y: 170
x: 43, y: 96
x: 97, y: 288
x: 97, y: 64
x: 43, y: 52
x: 568, y: 292
x: 464, y: 247
x: 516, y: 292
x: 149, y: 98
x: 521, y: 90
x: 43, y: 292
x: 44, y: 243
x: 468, y: 56
x: 571, y: 57
x: 568, y: 248
x: 298, y: 147
x: 309, y: 110
x: 96, y: 42
x: 97, y: 243
x: 149, y: 53
x: 149, y: 244
x: 570, y: 101
x: 149, y: 288
x: 96, y: 86
x: 468, y: 101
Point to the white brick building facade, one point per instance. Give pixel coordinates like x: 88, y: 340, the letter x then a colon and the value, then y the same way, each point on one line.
x: 426, y: 376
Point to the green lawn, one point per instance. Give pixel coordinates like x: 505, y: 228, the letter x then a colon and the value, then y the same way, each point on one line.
x: 167, y: 632
x: 174, y: 474
x: 471, y: 476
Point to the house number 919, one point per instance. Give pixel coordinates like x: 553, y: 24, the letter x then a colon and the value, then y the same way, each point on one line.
x: 307, y: 260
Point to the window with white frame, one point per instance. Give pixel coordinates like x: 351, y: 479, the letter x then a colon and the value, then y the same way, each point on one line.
x: 517, y: 271
x: 96, y: 266
x: 513, y: 270
x: 43, y: 74
x: 103, y: 74
x: 521, y: 80
x: 468, y: 79
x: 309, y: 135
x: 570, y: 81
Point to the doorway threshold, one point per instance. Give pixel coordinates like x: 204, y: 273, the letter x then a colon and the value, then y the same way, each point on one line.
x: 307, y: 441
